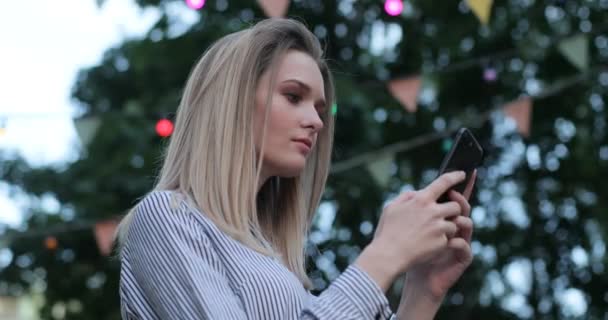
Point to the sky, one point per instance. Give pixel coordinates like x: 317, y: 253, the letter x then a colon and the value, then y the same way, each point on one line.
x: 43, y: 44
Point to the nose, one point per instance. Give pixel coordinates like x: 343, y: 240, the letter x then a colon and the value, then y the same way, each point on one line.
x: 313, y: 119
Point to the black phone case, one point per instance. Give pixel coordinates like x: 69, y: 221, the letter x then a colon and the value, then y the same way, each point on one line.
x: 466, y: 154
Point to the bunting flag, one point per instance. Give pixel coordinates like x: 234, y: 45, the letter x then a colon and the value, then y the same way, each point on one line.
x: 482, y: 9
x: 576, y: 50
x: 405, y: 90
x: 8, y: 307
x: 274, y: 8
x: 104, y: 234
x: 381, y: 169
x: 86, y: 128
x: 520, y: 110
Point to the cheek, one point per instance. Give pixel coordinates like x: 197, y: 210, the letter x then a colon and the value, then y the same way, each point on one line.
x: 273, y: 129
x: 282, y: 120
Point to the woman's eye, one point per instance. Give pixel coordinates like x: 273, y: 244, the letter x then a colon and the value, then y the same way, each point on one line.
x: 293, y: 98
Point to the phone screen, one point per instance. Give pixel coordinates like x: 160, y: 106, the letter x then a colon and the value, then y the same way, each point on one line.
x: 466, y: 155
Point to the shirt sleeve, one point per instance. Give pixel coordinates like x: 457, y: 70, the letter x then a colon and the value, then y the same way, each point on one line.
x: 353, y: 295
x: 182, y: 276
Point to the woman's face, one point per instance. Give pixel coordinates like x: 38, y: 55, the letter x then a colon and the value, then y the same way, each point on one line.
x: 294, y: 120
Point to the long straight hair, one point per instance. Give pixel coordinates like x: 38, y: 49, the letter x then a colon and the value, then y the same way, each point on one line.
x: 211, y: 157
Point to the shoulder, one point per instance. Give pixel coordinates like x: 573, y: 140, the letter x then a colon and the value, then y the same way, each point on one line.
x: 166, y: 213
x: 160, y: 206
x: 162, y: 200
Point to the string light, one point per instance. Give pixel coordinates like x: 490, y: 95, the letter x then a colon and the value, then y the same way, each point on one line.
x: 393, y: 7
x: 164, y: 127
x: 489, y: 74
x: 195, y: 4
x: 51, y: 243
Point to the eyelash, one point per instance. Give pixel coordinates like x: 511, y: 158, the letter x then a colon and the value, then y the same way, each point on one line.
x: 295, y: 98
x: 292, y: 96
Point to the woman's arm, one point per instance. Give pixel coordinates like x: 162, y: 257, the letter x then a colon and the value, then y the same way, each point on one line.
x: 415, y: 305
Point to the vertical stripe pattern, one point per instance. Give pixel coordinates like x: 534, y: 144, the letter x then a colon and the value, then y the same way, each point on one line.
x: 176, y: 264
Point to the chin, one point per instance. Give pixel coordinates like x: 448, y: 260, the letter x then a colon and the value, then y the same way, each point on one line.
x: 291, y: 172
x: 291, y: 169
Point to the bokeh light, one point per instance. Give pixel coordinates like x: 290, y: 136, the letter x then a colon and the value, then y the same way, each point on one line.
x: 164, y: 127
x: 490, y: 75
x: 393, y: 7
x: 195, y: 4
x: 51, y: 243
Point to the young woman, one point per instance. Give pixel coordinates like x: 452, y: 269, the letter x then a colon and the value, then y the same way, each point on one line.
x: 222, y: 234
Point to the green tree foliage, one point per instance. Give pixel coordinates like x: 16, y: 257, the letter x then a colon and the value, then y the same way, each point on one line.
x: 539, y: 205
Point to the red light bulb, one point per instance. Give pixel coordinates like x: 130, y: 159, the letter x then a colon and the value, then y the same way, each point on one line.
x: 164, y: 127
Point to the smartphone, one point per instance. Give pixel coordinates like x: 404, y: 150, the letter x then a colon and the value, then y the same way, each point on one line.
x: 465, y: 155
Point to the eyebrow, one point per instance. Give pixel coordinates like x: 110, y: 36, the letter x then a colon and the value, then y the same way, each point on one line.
x: 304, y: 86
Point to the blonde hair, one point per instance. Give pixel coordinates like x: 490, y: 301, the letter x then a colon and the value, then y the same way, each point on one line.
x: 211, y: 157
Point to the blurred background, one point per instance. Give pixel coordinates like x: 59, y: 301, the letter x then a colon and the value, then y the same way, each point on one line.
x: 89, y: 90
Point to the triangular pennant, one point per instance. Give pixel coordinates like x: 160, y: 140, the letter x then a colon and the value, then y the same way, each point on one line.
x: 86, y: 128
x: 406, y: 91
x: 104, y: 234
x: 8, y: 307
x: 381, y: 169
x: 274, y: 8
x: 576, y: 50
x: 521, y: 111
x: 482, y: 9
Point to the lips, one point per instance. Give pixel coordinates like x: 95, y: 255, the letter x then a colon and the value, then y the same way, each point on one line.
x: 305, y: 141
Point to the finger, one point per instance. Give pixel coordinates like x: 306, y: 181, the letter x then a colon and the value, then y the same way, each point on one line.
x: 449, y: 229
x: 462, y: 250
x: 448, y: 210
x: 443, y: 184
x: 462, y: 201
x: 465, y: 228
x: 469, y: 188
x: 405, y: 196
x: 400, y: 198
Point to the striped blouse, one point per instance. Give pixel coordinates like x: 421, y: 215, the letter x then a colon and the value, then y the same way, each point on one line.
x: 176, y: 264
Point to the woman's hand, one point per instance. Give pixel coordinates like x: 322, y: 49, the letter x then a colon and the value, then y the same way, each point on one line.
x: 433, y: 278
x: 413, y: 230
